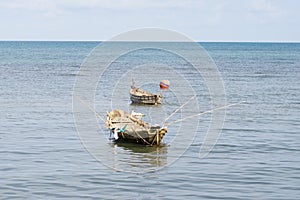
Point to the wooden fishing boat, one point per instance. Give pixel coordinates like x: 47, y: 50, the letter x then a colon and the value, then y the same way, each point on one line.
x: 127, y: 127
x: 140, y: 96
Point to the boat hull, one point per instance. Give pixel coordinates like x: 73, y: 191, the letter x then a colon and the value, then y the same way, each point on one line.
x: 129, y: 128
x: 139, y: 96
x: 140, y: 137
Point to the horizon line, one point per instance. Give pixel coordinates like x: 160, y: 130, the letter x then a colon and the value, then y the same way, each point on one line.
x: 208, y: 41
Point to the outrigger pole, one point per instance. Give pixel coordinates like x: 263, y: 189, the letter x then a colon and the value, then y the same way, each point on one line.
x: 202, y: 113
x: 179, y: 108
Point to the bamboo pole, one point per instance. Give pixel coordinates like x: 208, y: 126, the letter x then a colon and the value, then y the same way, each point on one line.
x: 180, y: 107
x: 209, y: 111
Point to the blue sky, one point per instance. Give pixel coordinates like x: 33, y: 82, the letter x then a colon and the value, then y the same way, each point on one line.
x: 201, y: 20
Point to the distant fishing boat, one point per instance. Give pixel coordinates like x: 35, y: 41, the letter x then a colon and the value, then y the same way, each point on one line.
x: 127, y: 127
x: 137, y: 95
x: 140, y: 96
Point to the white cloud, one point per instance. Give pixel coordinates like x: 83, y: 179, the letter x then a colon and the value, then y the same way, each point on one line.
x: 54, y: 8
x: 131, y: 4
x: 265, y: 6
x: 48, y: 8
x: 264, y: 11
x: 39, y: 5
x: 111, y: 4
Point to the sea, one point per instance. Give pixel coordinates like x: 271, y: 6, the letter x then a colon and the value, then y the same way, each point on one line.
x: 255, y: 153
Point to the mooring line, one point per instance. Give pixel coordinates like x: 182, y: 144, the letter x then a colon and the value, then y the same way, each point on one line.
x: 209, y: 111
x: 89, y: 107
x: 179, y: 108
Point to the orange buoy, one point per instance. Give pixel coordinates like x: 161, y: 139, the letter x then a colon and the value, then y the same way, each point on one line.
x: 164, y: 84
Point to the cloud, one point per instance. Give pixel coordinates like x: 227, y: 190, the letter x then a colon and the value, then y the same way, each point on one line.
x: 55, y: 8
x: 47, y: 8
x: 264, y: 11
x: 264, y: 6
x: 39, y: 5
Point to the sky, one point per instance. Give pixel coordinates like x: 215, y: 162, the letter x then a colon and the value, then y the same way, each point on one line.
x: 200, y: 20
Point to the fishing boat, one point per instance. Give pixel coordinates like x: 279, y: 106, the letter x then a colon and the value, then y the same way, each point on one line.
x: 129, y: 127
x: 140, y: 96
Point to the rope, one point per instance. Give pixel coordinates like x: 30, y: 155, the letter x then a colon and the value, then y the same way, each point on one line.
x: 178, y: 109
x: 209, y: 111
x: 141, y: 137
x: 89, y: 107
x: 155, y: 138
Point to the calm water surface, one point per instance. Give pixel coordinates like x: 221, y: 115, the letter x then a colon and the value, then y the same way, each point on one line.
x: 256, y: 157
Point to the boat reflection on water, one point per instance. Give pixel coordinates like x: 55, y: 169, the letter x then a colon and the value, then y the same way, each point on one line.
x: 139, y: 158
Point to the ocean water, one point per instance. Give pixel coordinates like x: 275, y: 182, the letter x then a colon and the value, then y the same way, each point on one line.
x: 257, y: 156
